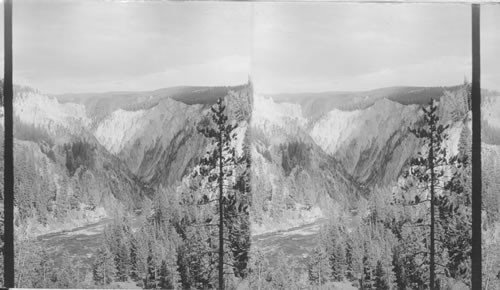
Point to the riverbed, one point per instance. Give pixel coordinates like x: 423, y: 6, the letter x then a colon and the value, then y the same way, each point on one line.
x: 84, y: 241
x: 297, y: 242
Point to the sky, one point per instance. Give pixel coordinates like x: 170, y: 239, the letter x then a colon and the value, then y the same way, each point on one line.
x: 97, y: 46
x: 306, y: 47
x: 490, y: 46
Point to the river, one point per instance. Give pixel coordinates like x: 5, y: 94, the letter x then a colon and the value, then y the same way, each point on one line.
x: 80, y: 242
x: 84, y: 241
x: 297, y: 242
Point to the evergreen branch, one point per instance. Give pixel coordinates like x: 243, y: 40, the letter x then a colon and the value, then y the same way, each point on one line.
x: 232, y: 273
x: 243, y: 214
x: 418, y: 225
x: 203, y: 225
x: 207, y: 202
x: 226, y: 187
x: 416, y: 203
x: 230, y: 265
x: 419, y: 253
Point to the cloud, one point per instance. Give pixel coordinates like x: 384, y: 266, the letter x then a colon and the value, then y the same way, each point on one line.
x: 76, y: 45
x: 490, y: 46
x: 224, y: 71
x: 440, y: 71
x: 338, y: 46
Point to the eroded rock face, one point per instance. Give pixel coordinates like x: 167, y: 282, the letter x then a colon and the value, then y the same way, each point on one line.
x: 59, y: 120
x: 167, y: 145
x: 379, y: 142
x: 491, y: 110
x: 159, y: 135
x: 86, y: 156
x: 303, y: 164
x: 361, y: 143
x: 294, y: 179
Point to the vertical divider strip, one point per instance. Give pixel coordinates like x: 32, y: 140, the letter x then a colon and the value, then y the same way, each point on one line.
x: 8, y: 151
x: 476, y: 151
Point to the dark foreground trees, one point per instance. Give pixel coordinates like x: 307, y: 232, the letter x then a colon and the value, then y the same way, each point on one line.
x: 438, y: 185
x: 225, y: 174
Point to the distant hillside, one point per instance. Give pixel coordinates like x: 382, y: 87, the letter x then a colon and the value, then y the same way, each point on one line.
x: 328, y: 151
x: 99, y: 105
x: 317, y: 104
x: 79, y: 156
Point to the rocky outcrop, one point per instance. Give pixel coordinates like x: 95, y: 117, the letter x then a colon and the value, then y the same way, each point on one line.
x: 378, y: 142
x: 294, y: 179
x: 76, y: 156
x: 338, y: 156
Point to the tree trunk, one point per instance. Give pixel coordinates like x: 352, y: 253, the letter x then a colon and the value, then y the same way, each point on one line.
x: 221, y: 217
x: 319, y: 273
x: 432, y: 256
x: 8, y: 201
x: 258, y: 287
x: 104, y: 273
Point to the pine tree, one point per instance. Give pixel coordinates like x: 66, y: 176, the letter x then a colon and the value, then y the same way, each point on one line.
x: 117, y: 237
x: 103, y: 267
x: 455, y: 215
x: 338, y: 262
x: 349, y: 261
x: 197, y: 255
x: 259, y: 269
x: 200, y: 258
x: 237, y: 221
x: 334, y: 243
x: 122, y: 261
x: 425, y: 170
x: 27, y: 259
x: 367, y: 279
x: 380, y: 278
x: 218, y: 166
x: 68, y: 274
x: 283, y: 275
x: 162, y: 264
x: 319, y: 269
x: 43, y: 271
x: 155, y: 255
x: 429, y: 173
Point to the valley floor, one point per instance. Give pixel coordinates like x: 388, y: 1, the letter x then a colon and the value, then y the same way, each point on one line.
x: 83, y: 241
x: 80, y: 242
x: 295, y: 242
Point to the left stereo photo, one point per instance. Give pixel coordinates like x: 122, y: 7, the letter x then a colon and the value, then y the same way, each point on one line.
x: 130, y: 132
